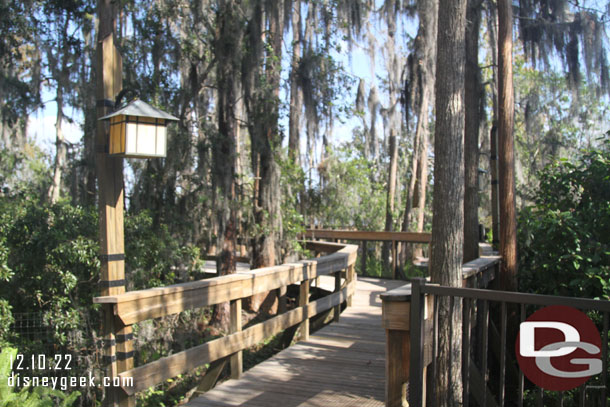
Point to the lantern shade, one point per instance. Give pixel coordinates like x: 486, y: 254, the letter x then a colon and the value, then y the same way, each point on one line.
x: 138, y: 130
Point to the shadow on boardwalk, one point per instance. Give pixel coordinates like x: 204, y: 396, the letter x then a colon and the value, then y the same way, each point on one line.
x: 342, y: 364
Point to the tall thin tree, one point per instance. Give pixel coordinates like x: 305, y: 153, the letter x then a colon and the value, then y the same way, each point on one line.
x: 419, y: 96
x: 227, y: 49
x: 448, y: 210
x: 506, y: 146
x: 473, y: 95
x: 296, y: 96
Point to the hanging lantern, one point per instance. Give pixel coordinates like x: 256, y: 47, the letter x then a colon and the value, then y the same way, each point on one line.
x: 138, y: 130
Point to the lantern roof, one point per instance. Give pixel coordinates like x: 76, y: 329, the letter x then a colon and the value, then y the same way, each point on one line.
x: 142, y: 109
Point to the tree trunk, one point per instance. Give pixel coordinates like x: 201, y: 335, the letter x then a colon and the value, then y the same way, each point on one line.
x: 406, y: 221
x: 228, y: 40
x: 262, y: 105
x: 390, y: 199
x: 472, y: 97
x: 60, y: 149
x: 86, y: 87
x: 61, y: 73
x: 425, y: 65
x: 506, y: 160
x: 492, y: 38
x: 423, y: 184
x: 448, y: 207
x: 294, y: 120
x: 264, y: 144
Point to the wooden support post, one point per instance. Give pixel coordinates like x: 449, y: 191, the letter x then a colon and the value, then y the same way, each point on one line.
x: 303, y: 302
x: 211, y: 375
x: 288, y: 336
x: 282, y: 299
x: 398, y: 351
x: 109, y: 353
x: 117, y: 337
x: 236, y: 358
x: 364, y: 257
x: 349, y: 278
x: 394, y: 264
x: 396, y: 319
x: 337, y: 311
x: 495, y: 208
x: 124, y: 346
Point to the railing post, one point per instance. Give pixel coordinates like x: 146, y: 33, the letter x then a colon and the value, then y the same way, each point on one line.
x: 394, y: 261
x: 236, y: 358
x: 117, y: 344
x: 109, y: 353
x: 304, y: 302
x: 350, y: 278
x: 282, y: 299
x: 364, y: 257
x: 395, y: 320
x: 416, y: 368
x: 337, y: 311
x: 124, y: 352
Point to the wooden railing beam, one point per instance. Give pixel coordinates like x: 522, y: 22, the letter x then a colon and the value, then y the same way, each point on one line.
x: 412, y: 237
x: 136, y: 306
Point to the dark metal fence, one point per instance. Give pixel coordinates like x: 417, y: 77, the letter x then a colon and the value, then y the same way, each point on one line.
x: 480, y: 300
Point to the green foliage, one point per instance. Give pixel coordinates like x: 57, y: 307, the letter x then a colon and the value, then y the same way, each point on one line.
x: 6, y: 320
x: 49, y: 262
x: 49, y: 256
x: 53, y: 257
x: 350, y: 195
x: 375, y: 268
x: 565, y: 237
x: 551, y: 121
x: 26, y: 397
x: 292, y: 182
x: 24, y: 173
x: 18, y: 79
x: 152, y: 397
x: 154, y: 257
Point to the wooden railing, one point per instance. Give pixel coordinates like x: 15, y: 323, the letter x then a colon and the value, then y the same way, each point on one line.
x: 412, y: 237
x: 136, y: 306
x: 487, y: 377
x: 396, y: 320
x: 375, y: 236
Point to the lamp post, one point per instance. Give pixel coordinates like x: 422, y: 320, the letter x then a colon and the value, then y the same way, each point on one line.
x: 137, y: 130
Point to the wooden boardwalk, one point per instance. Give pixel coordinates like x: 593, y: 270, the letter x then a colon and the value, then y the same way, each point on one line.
x: 342, y: 364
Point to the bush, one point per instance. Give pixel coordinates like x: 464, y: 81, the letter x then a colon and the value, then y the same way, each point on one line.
x: 49, y: 269
x: 154, y: 258
x: 564, y: 239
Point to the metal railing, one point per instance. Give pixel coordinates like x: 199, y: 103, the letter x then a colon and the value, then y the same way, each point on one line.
x: 480, y: 299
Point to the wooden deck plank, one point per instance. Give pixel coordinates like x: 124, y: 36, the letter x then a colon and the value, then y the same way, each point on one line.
x: 342, y: 364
